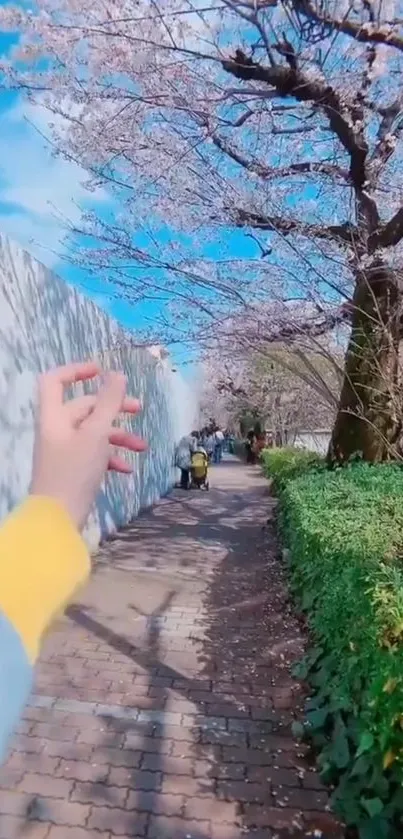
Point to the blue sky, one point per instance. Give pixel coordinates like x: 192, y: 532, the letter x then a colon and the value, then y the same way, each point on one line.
x: 37, y: 190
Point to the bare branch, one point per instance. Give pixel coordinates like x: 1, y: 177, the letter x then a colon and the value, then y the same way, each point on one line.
x: 312, y: 326
x: 245, y: 218
x: 366, y: 33
x: 390, y: 127
x: 389, y: 234
x: 271, y: 172
x: 289, y: 81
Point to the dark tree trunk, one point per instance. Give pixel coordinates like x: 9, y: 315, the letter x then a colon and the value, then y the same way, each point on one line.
x: 368, y: 420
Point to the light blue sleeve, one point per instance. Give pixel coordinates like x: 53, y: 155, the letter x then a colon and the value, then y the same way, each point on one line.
x: 15, y: 682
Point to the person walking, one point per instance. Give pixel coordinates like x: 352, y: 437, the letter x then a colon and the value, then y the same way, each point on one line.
x: 250, y: 444
x: 186, y: 447
x: 210, y: 444
x: 218, y: 445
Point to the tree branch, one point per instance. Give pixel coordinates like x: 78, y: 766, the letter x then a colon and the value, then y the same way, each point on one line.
x: 366, y: 33
x: 278, y: 224
x: 288, y: 331
x: 390, y: 127
x: 229, y: 386
x: 268, y: 172
x: 289, y: 81
x: 389, y: 234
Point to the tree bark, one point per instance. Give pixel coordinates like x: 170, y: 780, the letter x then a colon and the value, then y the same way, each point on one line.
x: 368, y: 421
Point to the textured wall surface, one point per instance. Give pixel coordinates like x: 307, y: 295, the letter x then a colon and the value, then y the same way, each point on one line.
x: 44, y: 322
x: 314, y: 441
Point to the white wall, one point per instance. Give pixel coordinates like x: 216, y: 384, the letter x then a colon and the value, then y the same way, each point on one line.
x: 44, y: 322
x: 314, y: 441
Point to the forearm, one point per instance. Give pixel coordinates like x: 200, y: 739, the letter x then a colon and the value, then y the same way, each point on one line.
x: 43, y: 560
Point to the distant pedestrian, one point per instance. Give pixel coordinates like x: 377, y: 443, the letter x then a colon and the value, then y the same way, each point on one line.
x: 250, y: 445
x: 210, y: 444
x: 218, y: 445
x: 183, y: 459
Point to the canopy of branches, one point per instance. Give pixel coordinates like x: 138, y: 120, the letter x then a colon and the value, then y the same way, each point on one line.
x: 285, y: 391
x: 257, y: 132
x: 253, y: 154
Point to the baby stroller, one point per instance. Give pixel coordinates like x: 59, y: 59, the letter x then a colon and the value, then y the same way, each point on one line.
x: 199, y: 470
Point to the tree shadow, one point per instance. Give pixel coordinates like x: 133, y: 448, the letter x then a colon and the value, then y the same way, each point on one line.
x: 242, y: 695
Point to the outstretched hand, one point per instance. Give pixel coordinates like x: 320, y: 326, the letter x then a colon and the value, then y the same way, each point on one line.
x: 74, y: 438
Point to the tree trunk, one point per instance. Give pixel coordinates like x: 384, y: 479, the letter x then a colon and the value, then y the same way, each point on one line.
x: 368, y: 421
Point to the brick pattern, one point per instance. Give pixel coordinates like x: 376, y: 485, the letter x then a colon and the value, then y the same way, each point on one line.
x: 164, y: 703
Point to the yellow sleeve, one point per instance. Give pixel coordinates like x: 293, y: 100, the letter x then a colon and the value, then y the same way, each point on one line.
x: 43, y: 560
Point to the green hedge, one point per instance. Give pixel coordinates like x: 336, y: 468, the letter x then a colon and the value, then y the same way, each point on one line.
x: 283, y: 464
x: 344, y: 531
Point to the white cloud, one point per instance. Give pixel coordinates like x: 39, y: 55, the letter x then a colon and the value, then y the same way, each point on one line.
x: 38, y: 189
x: 42, y: 240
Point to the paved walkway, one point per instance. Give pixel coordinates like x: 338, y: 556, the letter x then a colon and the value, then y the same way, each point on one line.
x: 164, y: 701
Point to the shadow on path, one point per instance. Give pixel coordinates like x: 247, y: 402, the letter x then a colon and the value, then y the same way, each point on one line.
x: 175, y: 673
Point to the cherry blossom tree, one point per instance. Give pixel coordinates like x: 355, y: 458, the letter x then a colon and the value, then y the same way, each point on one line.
x: 274, y: 390
x: 253, y: 152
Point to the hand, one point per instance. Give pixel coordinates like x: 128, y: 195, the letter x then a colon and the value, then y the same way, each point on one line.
x: 73, y: 439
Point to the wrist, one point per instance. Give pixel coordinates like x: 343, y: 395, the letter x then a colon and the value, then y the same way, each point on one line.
x: 48, y: 561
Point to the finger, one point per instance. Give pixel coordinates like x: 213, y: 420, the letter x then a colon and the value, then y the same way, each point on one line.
x: 110, y: 400
x: 126, y: 440
x: 80, y: 408
x: 119, y: 464
x: 52, y: 383
x: 131, y: 405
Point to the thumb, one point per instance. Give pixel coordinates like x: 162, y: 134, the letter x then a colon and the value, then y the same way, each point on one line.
x: 109, y: 400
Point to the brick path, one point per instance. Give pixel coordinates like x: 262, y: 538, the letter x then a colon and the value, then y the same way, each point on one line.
x: 163, y: 702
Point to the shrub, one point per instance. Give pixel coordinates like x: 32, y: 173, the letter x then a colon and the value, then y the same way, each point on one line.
x: 283, y: 464
x: 344, y: 531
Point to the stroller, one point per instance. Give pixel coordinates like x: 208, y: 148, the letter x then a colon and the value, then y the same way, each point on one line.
x: 199, y: 470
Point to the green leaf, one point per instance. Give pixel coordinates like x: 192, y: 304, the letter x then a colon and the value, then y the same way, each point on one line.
x: 379, y: 784
x: 317, y: 719
x: 340, y: 705
x: 314, y: 655
x: 308, y: 600
x: 346, y: 801
x: 321, y: 677
x: 340, y: 750
x: 298, y: 730
x: 396, y: 802
x: 361, y: 766
x: 313, y: 704
x: 326, y: 772
x: 300, y: 670
x: 366, y: 743
x: 377, y: 828
x: 373, y: 806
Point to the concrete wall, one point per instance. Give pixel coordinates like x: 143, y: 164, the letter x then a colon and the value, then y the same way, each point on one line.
x: 314, y: 441
x: 44, y: 322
